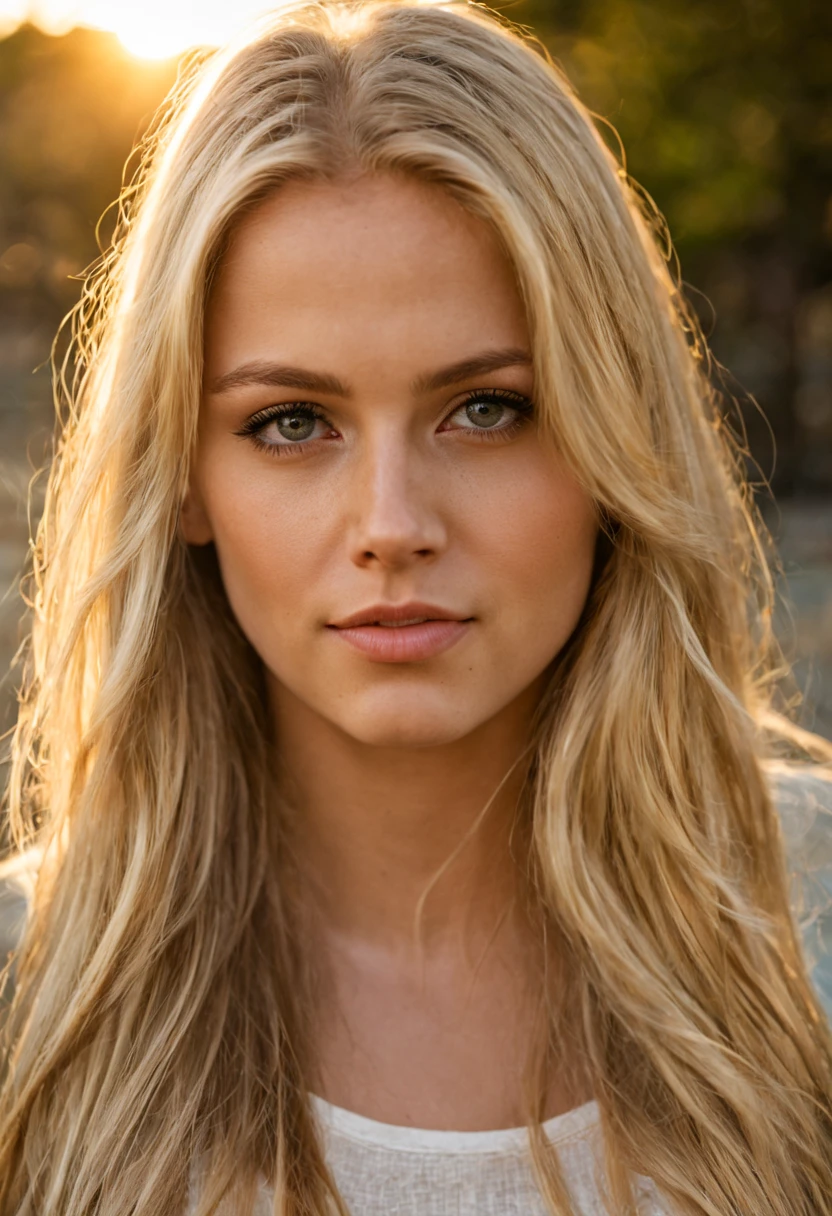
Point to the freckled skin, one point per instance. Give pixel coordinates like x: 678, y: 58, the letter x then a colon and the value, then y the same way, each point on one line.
x: 379, y: 281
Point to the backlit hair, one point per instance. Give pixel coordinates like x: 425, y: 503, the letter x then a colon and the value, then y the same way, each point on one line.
x: 150, y: 1030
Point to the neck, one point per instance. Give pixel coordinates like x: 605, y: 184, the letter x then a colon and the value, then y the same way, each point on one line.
x: 388, y: 839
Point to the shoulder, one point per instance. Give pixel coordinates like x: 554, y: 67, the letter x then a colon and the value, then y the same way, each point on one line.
x: 802, y: 793
x: 803, y: 797
x: 17, y: 880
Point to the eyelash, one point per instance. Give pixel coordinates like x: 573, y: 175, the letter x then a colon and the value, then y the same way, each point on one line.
x: 252, y: 427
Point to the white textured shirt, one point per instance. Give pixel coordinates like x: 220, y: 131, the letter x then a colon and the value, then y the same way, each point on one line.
x: 381, y: 1170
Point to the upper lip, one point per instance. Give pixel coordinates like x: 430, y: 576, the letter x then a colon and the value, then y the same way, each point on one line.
x: 397, y: 612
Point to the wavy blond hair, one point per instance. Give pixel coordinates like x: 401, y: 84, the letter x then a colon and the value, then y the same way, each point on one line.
x: 148, y: 1031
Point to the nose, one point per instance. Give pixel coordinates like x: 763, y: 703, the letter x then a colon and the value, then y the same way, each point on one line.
x: 394, y: 516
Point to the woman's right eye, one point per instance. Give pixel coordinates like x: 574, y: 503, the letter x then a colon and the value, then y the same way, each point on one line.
x: 286, y: 427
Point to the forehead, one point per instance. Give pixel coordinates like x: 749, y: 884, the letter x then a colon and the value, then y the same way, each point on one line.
x: 381, y: 259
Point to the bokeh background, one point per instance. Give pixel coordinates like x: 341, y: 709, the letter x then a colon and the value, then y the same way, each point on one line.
x: 724, y: 108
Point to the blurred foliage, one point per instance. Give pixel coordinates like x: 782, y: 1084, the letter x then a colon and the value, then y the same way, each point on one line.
x: 724, y: 108
x: 70, y: 109
x: 725, y: 111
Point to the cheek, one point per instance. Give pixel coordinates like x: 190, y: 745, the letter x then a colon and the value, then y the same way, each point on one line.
x: 273, y: 543
x: 543, y: 550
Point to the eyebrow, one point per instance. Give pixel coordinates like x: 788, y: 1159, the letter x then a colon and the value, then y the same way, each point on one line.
x: 278, y: 375
x: 283, y: 375
x: 477, y: 365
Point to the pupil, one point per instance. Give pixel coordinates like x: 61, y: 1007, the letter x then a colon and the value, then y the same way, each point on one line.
x: 485, y: 413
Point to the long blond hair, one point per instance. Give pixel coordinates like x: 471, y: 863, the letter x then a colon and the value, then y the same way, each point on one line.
x: 149, y: 1031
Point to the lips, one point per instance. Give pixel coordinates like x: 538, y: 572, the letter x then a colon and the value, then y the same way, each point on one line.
x: 401, y: 633
x: 398, y: 615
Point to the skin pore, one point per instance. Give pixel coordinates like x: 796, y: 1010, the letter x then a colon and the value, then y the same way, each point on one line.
x: 405, y: 469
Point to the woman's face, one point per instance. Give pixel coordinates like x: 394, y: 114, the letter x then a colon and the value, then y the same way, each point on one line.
x: 368, y: 453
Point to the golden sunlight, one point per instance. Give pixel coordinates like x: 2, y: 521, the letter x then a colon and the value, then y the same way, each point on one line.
x: 150, y: 29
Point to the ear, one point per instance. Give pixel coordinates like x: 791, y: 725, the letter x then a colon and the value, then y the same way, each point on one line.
x: 194, y: 524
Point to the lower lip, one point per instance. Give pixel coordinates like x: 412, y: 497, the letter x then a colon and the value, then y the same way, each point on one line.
x: 403, y: 643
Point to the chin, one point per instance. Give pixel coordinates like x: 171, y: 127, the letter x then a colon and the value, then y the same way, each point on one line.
x: 409, y: 724
x: 405, y: 734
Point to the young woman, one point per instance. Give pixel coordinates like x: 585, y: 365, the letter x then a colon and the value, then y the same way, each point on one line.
x: 396, y: 730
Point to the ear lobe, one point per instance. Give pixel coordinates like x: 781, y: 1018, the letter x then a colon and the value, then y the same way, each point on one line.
x: 194, y: 525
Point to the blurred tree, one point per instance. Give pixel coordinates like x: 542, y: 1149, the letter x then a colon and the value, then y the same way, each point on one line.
x: 725, y: 111
x: 70, y: 109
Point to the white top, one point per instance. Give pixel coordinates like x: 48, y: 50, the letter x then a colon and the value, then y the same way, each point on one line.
x: 382, y: 1170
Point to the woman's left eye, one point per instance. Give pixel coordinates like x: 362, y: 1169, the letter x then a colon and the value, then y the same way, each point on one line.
x: 489, y: 410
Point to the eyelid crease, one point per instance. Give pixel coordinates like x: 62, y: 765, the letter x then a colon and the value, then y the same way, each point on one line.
x: 504, y: 396
x: 268, y: 414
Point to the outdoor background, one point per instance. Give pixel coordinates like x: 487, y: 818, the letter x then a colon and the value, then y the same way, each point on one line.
x: 725, y: 111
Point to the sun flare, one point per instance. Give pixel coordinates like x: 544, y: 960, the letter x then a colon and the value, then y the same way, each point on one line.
x: 149, y: 29
x: 154, y: 39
